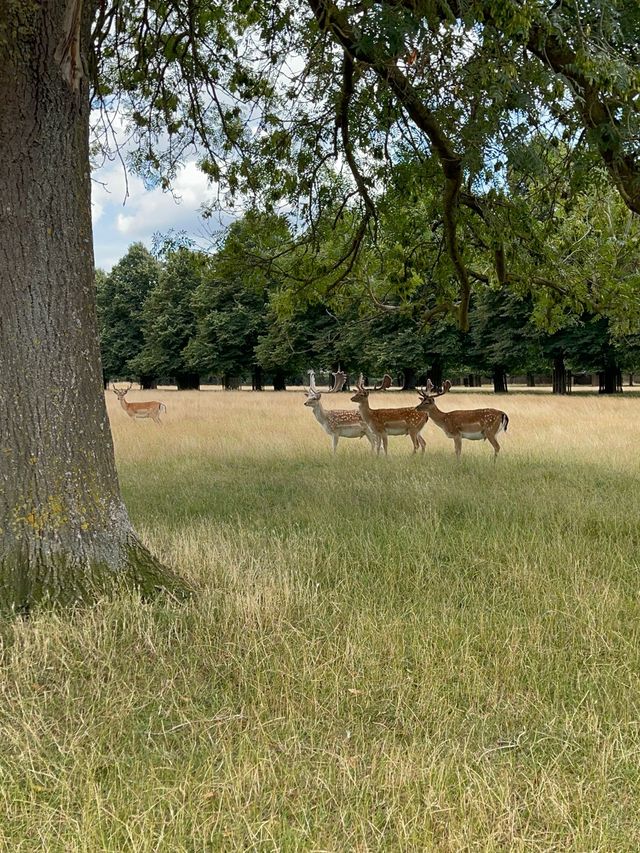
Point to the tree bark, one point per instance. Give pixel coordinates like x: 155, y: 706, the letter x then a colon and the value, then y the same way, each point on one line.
x: 610, y: 379
x: 256, y: 378
x: 409, y: 379
x: 561, y: 377
x: 148, y: 382
x: 279, y: 380
x: 188, y: 381
x: 500, y: 380
x: 65, y: 535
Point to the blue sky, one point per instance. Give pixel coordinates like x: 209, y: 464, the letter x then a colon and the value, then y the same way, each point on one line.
x: 120, y: 219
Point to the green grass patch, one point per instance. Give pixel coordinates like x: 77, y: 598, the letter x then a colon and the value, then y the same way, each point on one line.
x: 399, y: 654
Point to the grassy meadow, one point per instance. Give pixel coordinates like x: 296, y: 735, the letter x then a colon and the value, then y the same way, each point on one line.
x: 383, y: 654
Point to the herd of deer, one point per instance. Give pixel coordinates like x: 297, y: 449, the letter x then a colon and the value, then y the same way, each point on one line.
x: 376, y: 424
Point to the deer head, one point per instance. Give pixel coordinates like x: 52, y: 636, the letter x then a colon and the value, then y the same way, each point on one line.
x: 361, y: 392
x: 428, y: 395
x: 121, y: 393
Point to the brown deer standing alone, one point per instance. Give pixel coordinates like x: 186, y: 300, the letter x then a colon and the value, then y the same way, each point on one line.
x: 151, y: 409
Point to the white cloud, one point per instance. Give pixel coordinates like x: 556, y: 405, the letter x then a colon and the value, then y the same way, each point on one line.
x: 124, y: 211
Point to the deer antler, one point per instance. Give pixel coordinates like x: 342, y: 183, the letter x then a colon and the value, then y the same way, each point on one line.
x: 386, y: 383
x: 429, y: 391
x: 312, y: 391
x: 340, y: 377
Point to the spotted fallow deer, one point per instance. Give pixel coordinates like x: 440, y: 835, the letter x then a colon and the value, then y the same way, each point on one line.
x: 386, y: 422
x: 338, y: 423
x: 472, y: 424
x: 151, y: 409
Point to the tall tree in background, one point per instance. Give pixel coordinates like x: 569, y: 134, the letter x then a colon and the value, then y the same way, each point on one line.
x: 231, y: 300
x: 120, y: 297
x: 169, y: 320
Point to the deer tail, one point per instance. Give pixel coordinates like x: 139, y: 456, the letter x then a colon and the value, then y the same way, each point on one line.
x: 163, y: 408
x: 505, y: 421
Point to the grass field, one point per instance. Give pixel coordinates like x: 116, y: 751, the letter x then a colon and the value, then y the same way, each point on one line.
x: 384, y: 654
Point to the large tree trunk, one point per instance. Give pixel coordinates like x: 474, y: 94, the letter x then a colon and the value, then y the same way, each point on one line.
x: 500, y: 380
x: 409, y: 379
x: 148, y: 382
x: 610, y: 379
x: 187, y: 381
x: 65, y: 535
x: 256, y: 378
x: 279, y: 380
x: 436, y: 374
x: 561, y: 377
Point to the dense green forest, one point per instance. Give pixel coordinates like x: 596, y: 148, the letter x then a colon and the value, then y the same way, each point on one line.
x: 237, y: 317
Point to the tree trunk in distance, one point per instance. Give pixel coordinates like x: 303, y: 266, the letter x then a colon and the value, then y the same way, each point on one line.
x: 531, y: 380
x: 65, y: 535
x: 610, y: 379
x: 279, y: 380
x: 560, y: 378
x: 500, y: 380
x: 409, y: 379
x: 148, y: 382
x: 187, y: 381
x: 256, y: 378
x: 435, y: 374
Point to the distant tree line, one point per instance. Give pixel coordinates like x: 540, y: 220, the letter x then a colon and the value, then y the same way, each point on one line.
x: 233, y: 316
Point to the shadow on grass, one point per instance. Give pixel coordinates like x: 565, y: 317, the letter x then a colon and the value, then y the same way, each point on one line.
x: 321, y: 493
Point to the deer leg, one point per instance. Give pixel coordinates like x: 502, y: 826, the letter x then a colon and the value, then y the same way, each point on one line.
x: 385, y: 441
x: 457, y: 440
x: 421, y: 442
x: 494, y: 443
x: 334, y: 438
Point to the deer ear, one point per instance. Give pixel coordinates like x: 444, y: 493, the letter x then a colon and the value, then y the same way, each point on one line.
x: 447, y: 385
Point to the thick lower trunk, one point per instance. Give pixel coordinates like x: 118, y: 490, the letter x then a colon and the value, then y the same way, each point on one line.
x: 148, y: 382
x: 279, y: 381
x: 256, y: 378
x: 561, y: 377
x: 531, y: 380
x: 500, y: 380
x: 610, y: 379
x: 409, y: 379
x: 65, y: 535
x: 436, y: 375
x: 188, y: 381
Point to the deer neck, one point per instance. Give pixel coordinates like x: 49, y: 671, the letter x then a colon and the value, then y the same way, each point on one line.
x: 319, y: 413
x: 436, y: 415
x: 365, y: 410
x: 124, y: 404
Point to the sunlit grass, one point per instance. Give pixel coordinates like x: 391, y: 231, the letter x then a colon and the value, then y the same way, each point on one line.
x: 384, y: 654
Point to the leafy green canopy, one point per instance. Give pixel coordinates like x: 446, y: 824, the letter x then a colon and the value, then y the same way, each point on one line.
x: 316, y: 105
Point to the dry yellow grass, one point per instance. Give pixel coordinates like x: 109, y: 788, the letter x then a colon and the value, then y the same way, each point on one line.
x: 383, y: 654
x: 583, y: 425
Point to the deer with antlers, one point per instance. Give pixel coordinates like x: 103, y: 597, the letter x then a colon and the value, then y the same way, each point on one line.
x: 152, y: 409
x: 386, y: 422
x: 472, y: 424
x: 338, y: 423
